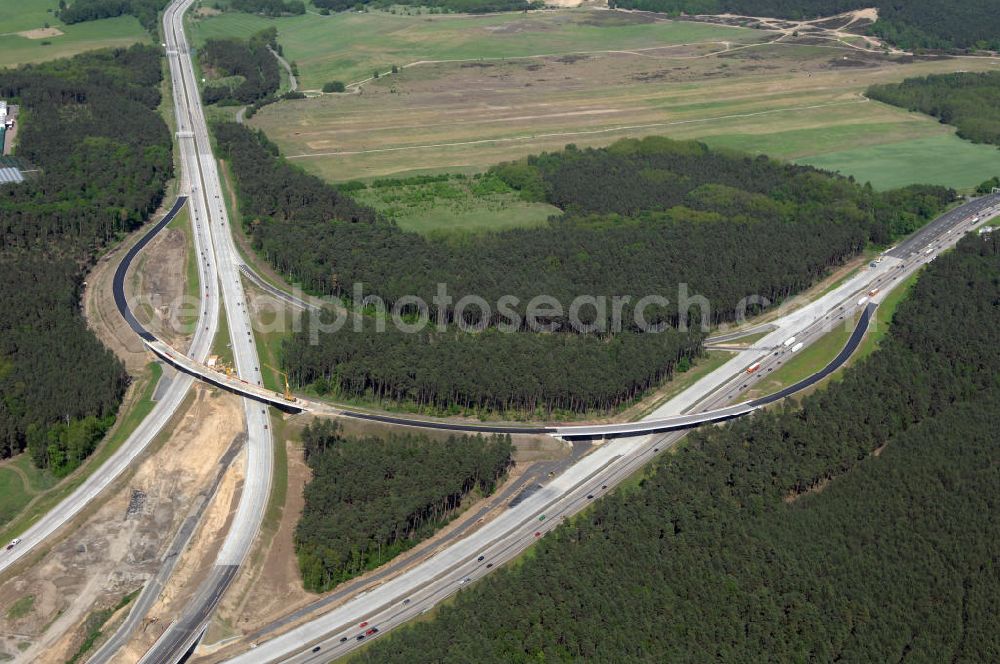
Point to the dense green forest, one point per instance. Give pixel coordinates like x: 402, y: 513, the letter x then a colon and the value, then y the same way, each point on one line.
x: 91, y: 126
x: 643, y: 217
x: 371, y: 498
x: 910, y: 24
x: 457, y: 6
x: 251, y: 69
x: 861, y: 527
x: 269, y: 7
x: 970, y: 101
x: 146, y: 11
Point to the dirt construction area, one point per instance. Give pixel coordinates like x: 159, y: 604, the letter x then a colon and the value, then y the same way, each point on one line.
x: 120, y: 541
x: 800, y: 95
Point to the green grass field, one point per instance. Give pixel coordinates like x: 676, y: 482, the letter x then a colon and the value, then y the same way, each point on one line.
x: 946, y: 160
x: 349, y: 46
x: 456, y: 206
x: 24, y: 15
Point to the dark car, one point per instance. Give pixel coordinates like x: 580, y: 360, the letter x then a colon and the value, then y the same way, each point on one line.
x: 316, y: 649
x: 480, y: 558
x: 361, y: 637
x: 371, y: 631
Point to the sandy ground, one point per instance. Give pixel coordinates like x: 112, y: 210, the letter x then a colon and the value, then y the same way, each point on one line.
x: 156, y: 286
x: 270, y: 584
x: 40, y: 33
x: 194, y: 563
x: 164, y: 261
x: 119, y: 543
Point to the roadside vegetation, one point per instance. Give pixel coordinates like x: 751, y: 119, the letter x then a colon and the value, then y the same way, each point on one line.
x: 857, y: 527
x: 61, y: 387
x: 373, y: 497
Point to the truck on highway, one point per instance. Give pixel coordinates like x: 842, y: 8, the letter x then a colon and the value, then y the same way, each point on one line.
x: 873, y: 292
x: 789, y: 341
x: 797, y: 347
x: 862, y: 300
x: 753, y: 367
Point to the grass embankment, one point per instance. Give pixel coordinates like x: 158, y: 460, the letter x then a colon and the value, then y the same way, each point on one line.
x: 817, y: 355
x: 49, y: 497
x: 30, y: 31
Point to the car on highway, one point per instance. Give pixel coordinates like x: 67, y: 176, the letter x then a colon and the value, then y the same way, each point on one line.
x: 343, y: 639
x: 590, y: 496
x: 14, y: 542
x: 359, y: 637
x: 464, y: 581
x: 538, y: 533
x: 489, y: 565
x: 363, y: 624
x: 316, y: 649
x: 373, y: 630
x: 480, y: 558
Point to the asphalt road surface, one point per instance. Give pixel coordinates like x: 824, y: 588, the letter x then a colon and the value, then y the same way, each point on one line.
x: 222, y: 263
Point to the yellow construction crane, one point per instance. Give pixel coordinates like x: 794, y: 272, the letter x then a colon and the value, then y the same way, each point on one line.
x: 288, y: 396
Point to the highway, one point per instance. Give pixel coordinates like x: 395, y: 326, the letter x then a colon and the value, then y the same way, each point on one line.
x: 200, y: 170
x: 392, y: 602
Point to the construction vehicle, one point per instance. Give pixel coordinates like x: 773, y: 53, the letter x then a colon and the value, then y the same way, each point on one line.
x: 287, y: 396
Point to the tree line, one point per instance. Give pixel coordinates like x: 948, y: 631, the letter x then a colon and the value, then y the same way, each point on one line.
x: 146, y: 11
x: 270, y: 7
x: 456, y: 6
x: 250, y: 60
x: 859, y: 527
x: 372, y: 497
x: 909, y: 24
x: 90, y: 125
x: 969, y: 101
x: 649, y: 217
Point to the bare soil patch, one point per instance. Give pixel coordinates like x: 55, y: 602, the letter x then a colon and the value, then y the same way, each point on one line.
x: 118, y: 545
x: 41, y: 33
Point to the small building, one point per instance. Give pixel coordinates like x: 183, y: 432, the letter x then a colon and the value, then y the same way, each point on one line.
x: 3, y: 112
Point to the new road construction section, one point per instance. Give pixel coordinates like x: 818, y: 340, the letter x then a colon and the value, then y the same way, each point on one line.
x: 939, y: 234
x: 220, y: 258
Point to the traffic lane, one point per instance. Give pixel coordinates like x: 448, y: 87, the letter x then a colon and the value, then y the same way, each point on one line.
x: 941, y: 224
x: 536, y: 473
